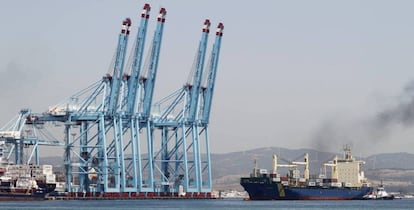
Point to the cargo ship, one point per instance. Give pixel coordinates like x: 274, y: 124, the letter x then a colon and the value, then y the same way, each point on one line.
x: 21, y: 189
x: 25, y: 181
x: 347, y: 181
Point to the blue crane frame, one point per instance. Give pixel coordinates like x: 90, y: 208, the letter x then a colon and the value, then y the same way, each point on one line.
x: 114, y: 142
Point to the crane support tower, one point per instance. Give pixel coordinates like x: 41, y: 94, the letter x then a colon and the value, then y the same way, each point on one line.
x: 119, y: 143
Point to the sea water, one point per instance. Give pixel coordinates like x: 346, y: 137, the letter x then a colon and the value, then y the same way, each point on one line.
x: 207, y: 204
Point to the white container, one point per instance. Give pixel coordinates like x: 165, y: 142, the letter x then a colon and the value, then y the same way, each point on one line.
x: 263, y: 171
x: 51, y: 179
x: 277, y: 179
x: 181, y: 192
x: 336, y: 184
x: 10, y: 134
x: 296, y: 171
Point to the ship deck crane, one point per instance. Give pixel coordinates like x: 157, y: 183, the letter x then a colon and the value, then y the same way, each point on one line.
x: 305, y: 162
x: 276, y: 165
x: 333, y: 164
x: 293, y: 164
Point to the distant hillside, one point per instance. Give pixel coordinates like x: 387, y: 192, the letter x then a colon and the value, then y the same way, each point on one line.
x: 395, y: 169
x: 390, y: 160
x: 396, y: 180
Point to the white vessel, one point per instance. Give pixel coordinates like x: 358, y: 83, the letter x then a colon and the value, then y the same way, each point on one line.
x: 379, y: 194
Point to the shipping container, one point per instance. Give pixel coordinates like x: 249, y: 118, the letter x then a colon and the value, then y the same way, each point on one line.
x: 347, y: 184
x: 336, y: 184
x: 276, y: 179
x: 263, y: 171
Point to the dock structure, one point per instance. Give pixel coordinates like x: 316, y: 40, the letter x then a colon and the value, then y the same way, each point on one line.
x: 117, y: 142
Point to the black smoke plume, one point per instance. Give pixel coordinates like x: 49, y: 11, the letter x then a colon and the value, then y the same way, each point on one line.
x: 367, y: 132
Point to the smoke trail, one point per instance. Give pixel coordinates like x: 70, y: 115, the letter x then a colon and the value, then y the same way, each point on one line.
x: 335, y: 132
x: 366, y: 131
x: 19, y: 88
x: 17, y: 81
x: 402, y: 113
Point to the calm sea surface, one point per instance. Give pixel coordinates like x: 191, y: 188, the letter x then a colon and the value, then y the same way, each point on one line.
x: 208, y: 204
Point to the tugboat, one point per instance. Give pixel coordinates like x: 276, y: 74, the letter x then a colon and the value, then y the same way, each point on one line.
x: 379, y: 194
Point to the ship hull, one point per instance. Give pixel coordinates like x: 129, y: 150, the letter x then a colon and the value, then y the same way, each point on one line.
x: 276, y: 191
x: 22, y: 196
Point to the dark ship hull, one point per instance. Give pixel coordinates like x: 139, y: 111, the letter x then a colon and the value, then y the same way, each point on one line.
x: 265, y: 189
x: 22, y: 194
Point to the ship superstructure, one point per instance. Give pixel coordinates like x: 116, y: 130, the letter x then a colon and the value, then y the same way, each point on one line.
x: 348, y: 170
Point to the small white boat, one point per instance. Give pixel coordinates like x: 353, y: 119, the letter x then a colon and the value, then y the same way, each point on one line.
x: 379, y: 194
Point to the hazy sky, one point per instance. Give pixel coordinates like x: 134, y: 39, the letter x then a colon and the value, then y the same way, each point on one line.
x: 294, y: 74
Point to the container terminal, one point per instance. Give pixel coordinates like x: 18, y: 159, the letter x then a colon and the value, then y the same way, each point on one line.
x: 117, y: 142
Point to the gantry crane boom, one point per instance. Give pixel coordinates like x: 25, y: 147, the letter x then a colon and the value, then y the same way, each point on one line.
x: 113, y: 145
x: 148, y: 81
x: 209, y: 89
x: 196, y: 83
x: 137, y: 60
x: 119, y: 66
x: 14, y: 134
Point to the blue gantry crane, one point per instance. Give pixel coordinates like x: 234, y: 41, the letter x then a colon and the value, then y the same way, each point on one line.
x: 184, y: 151
x: 193, y: 87
x: 208, y: 89
x: 115, y: 144
x: 119, y: 67
x: 131, y: 96
x: 21, y: 139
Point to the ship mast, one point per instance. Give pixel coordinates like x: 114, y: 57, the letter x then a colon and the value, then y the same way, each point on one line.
x: 347, y: 152
x: 306, y: 164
